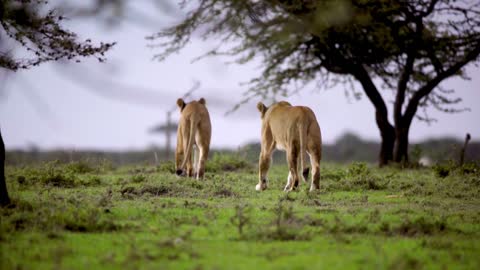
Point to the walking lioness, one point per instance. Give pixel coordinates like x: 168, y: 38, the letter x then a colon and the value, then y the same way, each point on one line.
x: 194, y: 128
x: 295, y: 130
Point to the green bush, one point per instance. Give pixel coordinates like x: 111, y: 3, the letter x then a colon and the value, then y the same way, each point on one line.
x: 166, y: 166
x: 53, y: 174
x: 227, y: 163
x: 358, y: 168
x: 64, y: 214
x: 358, y: 176
x: 215, y: 164
x: 469, y: 168
x: 442, y: 170
x: 139, y: 178
x: 79, y: 167
x: 90, y: 180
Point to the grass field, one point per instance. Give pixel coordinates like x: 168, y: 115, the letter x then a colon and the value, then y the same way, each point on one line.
x: 84, y: 216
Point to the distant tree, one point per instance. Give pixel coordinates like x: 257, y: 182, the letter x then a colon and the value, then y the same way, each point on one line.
x: 405, y: 47
x: 36, y: 30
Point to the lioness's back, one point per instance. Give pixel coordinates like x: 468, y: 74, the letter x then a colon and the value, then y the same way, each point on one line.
x: 284, y: 118
x: 195, y: 107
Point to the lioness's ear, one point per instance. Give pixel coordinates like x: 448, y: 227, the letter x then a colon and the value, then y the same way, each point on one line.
x: 202, y: 101
x: 180, y: 103
x: 261, y: 108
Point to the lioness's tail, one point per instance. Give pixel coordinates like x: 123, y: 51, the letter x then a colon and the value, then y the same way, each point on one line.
x: 303, y: 129
x: 191, y: 139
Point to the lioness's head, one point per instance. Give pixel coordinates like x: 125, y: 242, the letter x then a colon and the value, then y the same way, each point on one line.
x: 262, y: 109
x: 181, y: 103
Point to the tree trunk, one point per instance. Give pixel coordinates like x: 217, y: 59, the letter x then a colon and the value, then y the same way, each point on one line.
x: 464, y: 149
x: 387, y: 133
x: 401, y: 144
x: 4, y: 199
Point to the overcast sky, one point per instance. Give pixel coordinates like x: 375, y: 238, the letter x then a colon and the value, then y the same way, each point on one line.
x: 112, y: 106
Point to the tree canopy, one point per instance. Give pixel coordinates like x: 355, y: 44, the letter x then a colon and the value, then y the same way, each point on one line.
x: 32, y: 28
x: 408, y: 47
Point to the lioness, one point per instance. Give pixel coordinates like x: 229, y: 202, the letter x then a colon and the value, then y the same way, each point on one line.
x: 194, y: 128
x: 295, y: 130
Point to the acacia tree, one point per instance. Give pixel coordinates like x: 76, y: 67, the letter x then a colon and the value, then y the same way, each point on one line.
x: 405, y: 47
x: 30, y: 27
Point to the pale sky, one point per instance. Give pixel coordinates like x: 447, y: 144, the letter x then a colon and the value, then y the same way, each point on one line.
x: 111, y: 106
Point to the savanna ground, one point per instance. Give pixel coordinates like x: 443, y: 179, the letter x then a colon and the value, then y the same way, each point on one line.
x: 85, y: 215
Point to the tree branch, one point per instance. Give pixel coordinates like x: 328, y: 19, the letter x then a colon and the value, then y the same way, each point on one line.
x: 402, y: 87
x: 407, y: 73
x: 432, y: 84
x: 372, y: 92
x: 430, y: 8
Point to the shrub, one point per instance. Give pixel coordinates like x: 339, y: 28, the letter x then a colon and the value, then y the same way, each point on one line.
x: 442, y: 170
x: 241, y: 218
x: 166, y: 166
x: 91, y: 180
x: 469, y: 168
x: 335, y: 175
x: 420, y: 226
x: 357, y: 176
x: 227, y: 162
x: 48, y: 215
x: 358, y: 168
x: 139, y: 178
x: 445, y: 169
x: 53, y: 174
x: 79, y: 167
x: 49, y: 174
x: 217, y: 163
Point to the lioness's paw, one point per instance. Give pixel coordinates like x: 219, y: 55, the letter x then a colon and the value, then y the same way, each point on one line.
x: 181, y: 173
x: 260, y: 187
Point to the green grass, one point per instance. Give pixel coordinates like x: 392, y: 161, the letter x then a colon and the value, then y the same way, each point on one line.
x: 87, y: 216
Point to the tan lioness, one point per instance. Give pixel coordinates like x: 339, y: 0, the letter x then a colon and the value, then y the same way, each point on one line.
x: 295, y: 130
x: 194, y: 128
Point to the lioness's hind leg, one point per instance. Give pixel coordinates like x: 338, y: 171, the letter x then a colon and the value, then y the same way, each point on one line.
x: 202, y: 157
x: 179, y: 154
x: 305, y: 174
x: 292, y: 159
x: 289, y: 181
x: 315, y: 161
x: 305, y: 171
x: 190, y: 164
x: 263, y: 166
